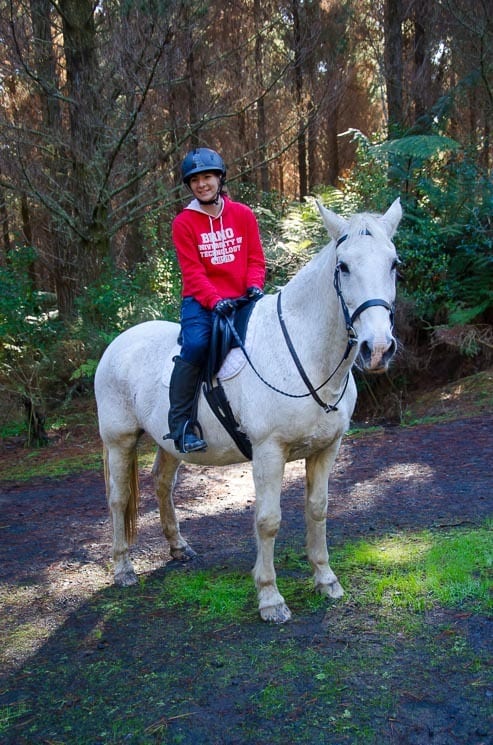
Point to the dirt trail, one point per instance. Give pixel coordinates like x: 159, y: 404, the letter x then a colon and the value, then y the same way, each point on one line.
x: 54, y: 554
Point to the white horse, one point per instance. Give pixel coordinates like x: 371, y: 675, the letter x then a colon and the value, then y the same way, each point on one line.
x: 293, y: 398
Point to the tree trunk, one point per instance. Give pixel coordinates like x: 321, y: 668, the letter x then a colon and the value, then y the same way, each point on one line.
x: 35, y: 419
x: 298, y: 88
x: 393, y: 65
x: 333, y: 146
x: 259, y: 76
x: 80, y: 254
x: 4, y: 219
x: 45, y: 62
x: 28, y: 237
x: 422, y: 77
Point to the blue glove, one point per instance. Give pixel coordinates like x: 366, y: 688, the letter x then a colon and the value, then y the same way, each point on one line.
x: 224, y: 307
x: 254, y: 293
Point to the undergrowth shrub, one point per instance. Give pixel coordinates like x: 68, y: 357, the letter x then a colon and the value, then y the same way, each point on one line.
x: 29, y: 335
x: 445, y: 244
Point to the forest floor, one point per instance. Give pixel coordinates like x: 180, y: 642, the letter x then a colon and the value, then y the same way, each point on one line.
x: 86, y: 663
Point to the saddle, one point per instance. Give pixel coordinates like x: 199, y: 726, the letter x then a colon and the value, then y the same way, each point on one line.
x: 227, y: 333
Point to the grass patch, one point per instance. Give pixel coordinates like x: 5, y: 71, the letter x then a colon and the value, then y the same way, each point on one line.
x: 35, y: 465
x: 229, y: 596
x: 413, y: 572
x: 417, y: 571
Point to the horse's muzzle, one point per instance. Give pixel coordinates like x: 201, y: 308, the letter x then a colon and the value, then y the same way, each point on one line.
x: 376, y: 357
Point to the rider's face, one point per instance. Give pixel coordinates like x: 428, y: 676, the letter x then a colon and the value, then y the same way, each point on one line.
x: 205, y: 185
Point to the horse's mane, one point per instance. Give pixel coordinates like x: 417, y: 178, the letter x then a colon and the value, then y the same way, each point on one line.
x: 359, y: 223
x: 315, y: 264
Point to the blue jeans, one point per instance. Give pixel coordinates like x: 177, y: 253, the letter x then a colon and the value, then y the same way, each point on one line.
x: 196, y: 328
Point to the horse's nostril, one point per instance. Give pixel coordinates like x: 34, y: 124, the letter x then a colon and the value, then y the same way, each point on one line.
x: 365, y: 352
x: 376, y: 357
x: 391, y: 350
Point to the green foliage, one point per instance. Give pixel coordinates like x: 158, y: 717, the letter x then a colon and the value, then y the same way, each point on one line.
x: 43, y: 360
x: 425, y: 262
x: 446, y: 236
x: 297, y: 235
x: 470, y: 276
x: 366, y: 187
x: 418, y: 147
x: 29, y: 332
x: 120, y: 298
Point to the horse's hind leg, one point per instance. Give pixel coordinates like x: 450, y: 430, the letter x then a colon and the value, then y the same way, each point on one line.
x: 268, y: 470
x: 164, y: 472
x: 122, y: 492
x: 318, y: 467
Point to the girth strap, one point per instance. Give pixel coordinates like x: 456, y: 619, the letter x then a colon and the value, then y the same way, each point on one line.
x: 225, y: 335
x: 217, y: 400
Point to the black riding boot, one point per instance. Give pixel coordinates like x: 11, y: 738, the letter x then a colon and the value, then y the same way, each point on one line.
x: 182, y: 387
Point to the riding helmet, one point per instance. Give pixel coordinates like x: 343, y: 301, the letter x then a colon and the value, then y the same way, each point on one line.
x: 200, y: 160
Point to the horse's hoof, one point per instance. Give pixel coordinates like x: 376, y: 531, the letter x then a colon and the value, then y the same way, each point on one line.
x: 126, y: 578
x: 183, y: 554
x: 275, y: 613
x: 330, y: 590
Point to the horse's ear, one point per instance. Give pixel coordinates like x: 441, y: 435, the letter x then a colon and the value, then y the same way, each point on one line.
x: 392, y: 217
x: 335, y: 224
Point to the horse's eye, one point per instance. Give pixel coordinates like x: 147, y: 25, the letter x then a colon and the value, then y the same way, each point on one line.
x: 343, y: 267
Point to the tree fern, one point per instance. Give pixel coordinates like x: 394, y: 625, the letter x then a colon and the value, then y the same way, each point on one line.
x: 418, y: 147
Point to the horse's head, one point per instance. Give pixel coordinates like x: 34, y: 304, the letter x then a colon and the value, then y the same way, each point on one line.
x: 365, y: 279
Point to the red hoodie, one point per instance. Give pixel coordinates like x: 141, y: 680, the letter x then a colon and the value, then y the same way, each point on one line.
x: 219, y: 257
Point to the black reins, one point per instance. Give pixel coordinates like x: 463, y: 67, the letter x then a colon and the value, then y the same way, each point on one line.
x: 311, y: 390
x: 351, y: 333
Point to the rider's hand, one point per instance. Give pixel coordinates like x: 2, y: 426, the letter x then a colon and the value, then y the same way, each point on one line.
x: 224, y: 307
x: 254, y: 293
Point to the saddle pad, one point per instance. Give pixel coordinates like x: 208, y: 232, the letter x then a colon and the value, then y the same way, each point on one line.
x: 234, y: 362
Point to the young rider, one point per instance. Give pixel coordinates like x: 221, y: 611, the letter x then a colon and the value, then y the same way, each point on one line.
x: 221, y: 258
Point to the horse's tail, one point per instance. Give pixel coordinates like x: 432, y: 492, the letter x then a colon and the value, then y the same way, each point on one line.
x: 130, y: 517
x: 133, y: 500
x: 106, y: 472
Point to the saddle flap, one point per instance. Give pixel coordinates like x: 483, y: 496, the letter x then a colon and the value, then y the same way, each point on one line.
x: 232, y: 360
x: 222, y: 338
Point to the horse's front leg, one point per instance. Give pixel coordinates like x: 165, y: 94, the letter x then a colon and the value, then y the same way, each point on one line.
x: 318, y: 467
x: 268, y: 470
x: 164, y: 472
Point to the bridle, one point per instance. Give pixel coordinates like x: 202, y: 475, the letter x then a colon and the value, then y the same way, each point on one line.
x: 352, y: 340
x: 350, y: 318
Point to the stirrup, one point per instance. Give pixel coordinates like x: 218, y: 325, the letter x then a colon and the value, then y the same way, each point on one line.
x: 190, y: 443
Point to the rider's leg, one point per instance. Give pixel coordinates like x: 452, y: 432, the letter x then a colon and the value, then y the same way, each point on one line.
x: 196, y: 327
x: 183, y: 385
